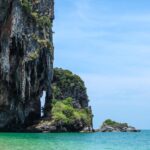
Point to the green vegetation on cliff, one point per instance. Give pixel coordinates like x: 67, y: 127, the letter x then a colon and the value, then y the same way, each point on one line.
x: 70, y: 110
x: 43, y: 20
x: 113, y: 126
x: 63, y: 112
x: 66, y: 84
x: 112, y: 123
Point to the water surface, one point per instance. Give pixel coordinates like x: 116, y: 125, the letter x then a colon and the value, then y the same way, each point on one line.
x: 75, y: 141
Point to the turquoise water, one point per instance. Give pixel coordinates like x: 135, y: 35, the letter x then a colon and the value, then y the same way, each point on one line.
x: 75, y: 141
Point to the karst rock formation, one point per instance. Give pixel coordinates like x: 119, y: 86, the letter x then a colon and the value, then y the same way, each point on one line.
x: 26, y: 59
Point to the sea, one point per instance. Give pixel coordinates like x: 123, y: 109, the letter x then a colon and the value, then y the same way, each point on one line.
x: 75, y: 141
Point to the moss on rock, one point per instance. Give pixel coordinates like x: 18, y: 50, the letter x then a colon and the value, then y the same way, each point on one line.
x: 41, y: 20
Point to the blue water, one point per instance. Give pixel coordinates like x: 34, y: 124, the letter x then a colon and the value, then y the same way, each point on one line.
x: 75, y: 141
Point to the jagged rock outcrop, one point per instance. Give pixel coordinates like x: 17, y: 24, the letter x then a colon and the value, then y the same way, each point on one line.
x: 112, y: 126
x: 70, y: 106
x: 26, y: 59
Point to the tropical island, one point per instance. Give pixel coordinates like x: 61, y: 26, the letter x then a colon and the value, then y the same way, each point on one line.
x: 113, y: 126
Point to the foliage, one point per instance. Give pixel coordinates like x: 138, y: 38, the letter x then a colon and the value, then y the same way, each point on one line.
x: 42, y: 21
x: 113, y: 123
x: 33, y: 55
x: 64, y: 112
x: 44, y: 43
x: 26, y: 5
x: 66, y: 84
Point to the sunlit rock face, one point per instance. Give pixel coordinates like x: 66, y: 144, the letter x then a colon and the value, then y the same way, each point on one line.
x: 26, y: 59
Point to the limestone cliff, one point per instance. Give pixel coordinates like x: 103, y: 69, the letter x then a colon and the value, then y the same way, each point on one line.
x: 26, y: 59
x: 26, y: 70
x: 67, y: 85
x: 70, y: 110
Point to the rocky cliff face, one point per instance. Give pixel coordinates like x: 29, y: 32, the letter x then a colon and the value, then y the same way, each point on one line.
x: 26, y: 59
x: 70, y: 110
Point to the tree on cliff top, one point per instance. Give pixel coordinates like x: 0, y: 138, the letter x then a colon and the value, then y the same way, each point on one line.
x: 66, y: 84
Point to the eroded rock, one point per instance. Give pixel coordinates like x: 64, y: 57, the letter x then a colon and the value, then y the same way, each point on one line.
x: 26, y: 59
x: 112, y: 126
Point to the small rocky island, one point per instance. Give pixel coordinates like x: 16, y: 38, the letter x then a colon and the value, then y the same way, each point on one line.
x: 70, y: 110
x: 112, y: 126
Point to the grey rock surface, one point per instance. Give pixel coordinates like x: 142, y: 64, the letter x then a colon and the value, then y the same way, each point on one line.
x: 117, y: 127
x: 26, y: 62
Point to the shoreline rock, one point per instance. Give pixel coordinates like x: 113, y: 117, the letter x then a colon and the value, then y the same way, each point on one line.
x: 112, y: 126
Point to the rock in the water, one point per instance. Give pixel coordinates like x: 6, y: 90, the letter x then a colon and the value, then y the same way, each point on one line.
x: 43, y: 125
x: 70, y: 109
x: 112, y: 126
x: 68, y: 85
x: 65, y: 118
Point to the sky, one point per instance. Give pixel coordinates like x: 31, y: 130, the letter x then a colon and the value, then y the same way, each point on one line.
x: 107, y: 43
